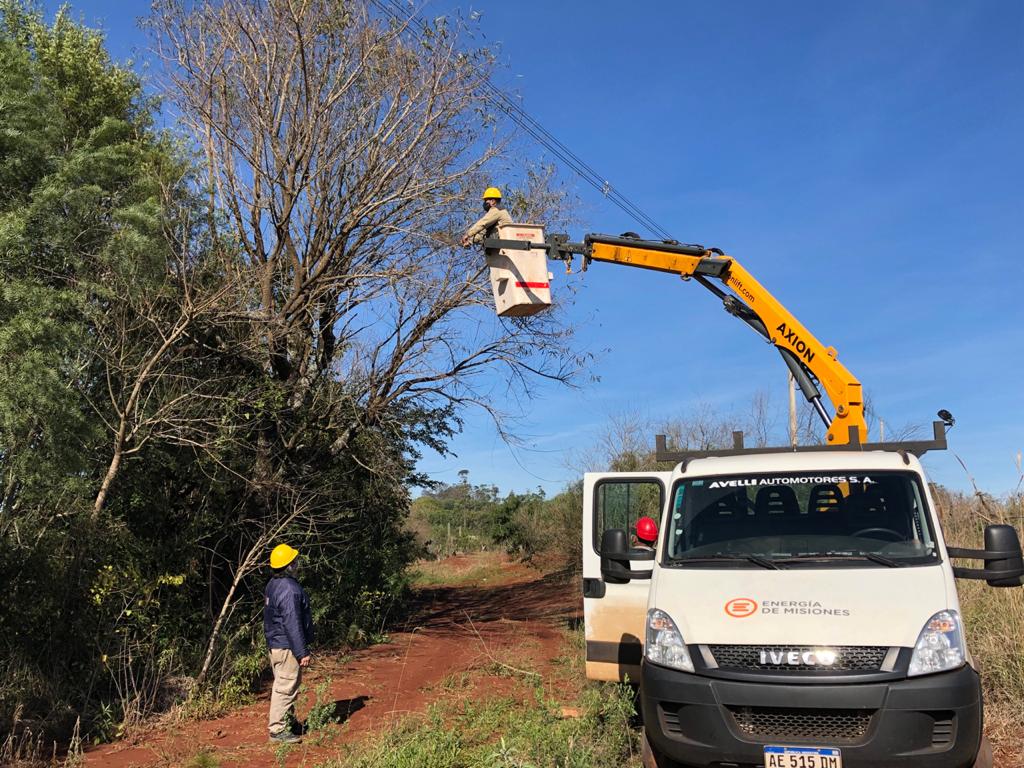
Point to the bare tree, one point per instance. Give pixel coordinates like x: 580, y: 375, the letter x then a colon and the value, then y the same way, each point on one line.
x: 346, y: 151
x: 762, y: 420
x: 626, y: 442
x: 893, y: 431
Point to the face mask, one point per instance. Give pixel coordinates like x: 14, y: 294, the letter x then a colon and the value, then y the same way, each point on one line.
x: 486, y: 207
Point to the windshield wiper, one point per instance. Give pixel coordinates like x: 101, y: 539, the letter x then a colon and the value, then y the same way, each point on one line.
x: 761, y: 561
x: 872, y: 556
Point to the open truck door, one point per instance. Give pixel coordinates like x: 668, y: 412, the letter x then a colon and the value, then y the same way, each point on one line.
x: 617, y: 573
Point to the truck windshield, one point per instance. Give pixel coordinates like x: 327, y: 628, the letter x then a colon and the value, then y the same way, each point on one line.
x: 832, y: 518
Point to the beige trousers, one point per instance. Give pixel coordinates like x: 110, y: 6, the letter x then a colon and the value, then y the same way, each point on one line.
x: 287, y: 677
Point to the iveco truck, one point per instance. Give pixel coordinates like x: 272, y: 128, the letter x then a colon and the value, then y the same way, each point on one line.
x: 800, y: 611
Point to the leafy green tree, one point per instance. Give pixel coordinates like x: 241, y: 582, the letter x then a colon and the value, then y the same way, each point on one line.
x: 60, y: 194
x: 83, y: 213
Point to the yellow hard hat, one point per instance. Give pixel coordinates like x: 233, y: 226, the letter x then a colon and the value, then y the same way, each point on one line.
x: 492, y: 192
x: 282, y: 555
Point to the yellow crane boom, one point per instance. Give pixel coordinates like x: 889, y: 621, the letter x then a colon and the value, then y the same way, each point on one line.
x: 810, y: 361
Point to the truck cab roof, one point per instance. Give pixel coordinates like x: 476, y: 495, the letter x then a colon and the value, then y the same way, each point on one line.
x: 805, y: 461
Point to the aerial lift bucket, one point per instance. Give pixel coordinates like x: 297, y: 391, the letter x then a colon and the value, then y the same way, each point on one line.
x: 520, y: 280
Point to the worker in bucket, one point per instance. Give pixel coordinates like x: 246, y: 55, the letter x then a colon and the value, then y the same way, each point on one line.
x: 288, y: 626
x: 487, y: 225
x: 646, y: 534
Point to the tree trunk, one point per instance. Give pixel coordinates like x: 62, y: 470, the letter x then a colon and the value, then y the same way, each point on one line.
x: 243, y: 570
x: 108, y: 478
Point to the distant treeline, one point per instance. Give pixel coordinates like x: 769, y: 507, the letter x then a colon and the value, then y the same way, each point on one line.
x: 459, y: 518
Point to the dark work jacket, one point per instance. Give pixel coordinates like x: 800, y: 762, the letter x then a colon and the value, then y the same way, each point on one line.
x: 287, y: 618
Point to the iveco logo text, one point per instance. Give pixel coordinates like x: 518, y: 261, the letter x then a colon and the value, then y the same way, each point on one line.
x: 822, y: 658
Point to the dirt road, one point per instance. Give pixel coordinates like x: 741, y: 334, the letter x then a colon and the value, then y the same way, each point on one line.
x: 454, y: 629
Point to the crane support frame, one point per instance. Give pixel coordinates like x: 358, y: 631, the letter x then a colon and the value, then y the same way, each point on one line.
x: 916, y: 447
x: 809, y: 360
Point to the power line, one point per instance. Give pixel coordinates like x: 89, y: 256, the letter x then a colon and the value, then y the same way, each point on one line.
x: 518, y: 115
x: 535, y: 129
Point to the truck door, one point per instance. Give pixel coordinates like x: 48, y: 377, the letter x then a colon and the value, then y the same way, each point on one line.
x: 615, y: 614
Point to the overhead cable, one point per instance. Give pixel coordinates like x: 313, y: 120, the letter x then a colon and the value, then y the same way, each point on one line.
x: 534, y: 128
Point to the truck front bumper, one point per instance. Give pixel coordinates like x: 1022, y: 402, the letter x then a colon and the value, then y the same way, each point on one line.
x: 933, y: 721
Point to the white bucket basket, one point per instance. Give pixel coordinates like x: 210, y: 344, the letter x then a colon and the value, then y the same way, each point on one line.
x: 520, y: 280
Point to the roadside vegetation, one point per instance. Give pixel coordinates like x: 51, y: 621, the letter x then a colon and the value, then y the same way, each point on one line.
x: 239, y: 328
x: 994, y: 618
x: 509, y: 732
x: 471, y: 570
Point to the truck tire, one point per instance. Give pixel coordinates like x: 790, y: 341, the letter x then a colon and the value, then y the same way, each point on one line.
x: 984, y: 758
x: 651, y: 758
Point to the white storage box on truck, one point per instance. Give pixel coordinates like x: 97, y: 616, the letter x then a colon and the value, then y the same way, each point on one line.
x: 800, y: 611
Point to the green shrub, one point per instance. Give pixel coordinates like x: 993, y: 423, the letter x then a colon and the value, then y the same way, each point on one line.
x: 204, y: 758
x: 324, y: 711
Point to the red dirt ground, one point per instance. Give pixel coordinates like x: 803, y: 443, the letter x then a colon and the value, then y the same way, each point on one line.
x: 455, y: 629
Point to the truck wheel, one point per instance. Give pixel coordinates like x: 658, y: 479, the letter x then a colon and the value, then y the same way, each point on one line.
x: 651, y: 758
x: 984, y: 758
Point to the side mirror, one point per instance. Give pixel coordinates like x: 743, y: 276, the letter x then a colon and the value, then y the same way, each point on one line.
x: 1002, y: 540
x: 615, y: 557
x: 1004, y: 560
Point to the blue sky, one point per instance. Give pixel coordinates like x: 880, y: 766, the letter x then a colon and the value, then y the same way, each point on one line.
x: 862, y: 159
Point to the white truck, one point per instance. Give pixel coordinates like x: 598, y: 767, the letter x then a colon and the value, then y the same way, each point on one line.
x: 800, y: 607
x: 800, y: 611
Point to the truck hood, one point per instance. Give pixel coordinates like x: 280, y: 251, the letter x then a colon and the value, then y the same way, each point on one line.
x: 801, y: 606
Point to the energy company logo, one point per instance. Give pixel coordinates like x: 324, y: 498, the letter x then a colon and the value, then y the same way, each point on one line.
x: 741, y: 607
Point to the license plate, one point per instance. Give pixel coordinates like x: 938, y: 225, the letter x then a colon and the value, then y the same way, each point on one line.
x: 802, y: 757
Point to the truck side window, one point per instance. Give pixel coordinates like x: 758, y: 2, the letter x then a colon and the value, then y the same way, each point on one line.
x: 620, y: 503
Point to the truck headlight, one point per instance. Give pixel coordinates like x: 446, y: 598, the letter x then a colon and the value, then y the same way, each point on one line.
x: 665, y: 644
x: 940, y: 646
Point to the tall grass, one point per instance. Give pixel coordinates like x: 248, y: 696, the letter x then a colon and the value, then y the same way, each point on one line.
x: 23, y: 748
x: 993, y: 617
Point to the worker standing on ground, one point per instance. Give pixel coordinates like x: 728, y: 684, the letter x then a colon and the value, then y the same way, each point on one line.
x: 487, y: 225
x: 288, y: 626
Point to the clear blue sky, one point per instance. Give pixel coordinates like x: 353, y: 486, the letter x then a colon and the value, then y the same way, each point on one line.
x: 862, y: 159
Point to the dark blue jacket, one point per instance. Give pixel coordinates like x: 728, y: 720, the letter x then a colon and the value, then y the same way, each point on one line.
x: 287, y: 618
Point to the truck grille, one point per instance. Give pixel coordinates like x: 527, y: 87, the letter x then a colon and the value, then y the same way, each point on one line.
x: 827, y: 726
x: 848, y: 658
